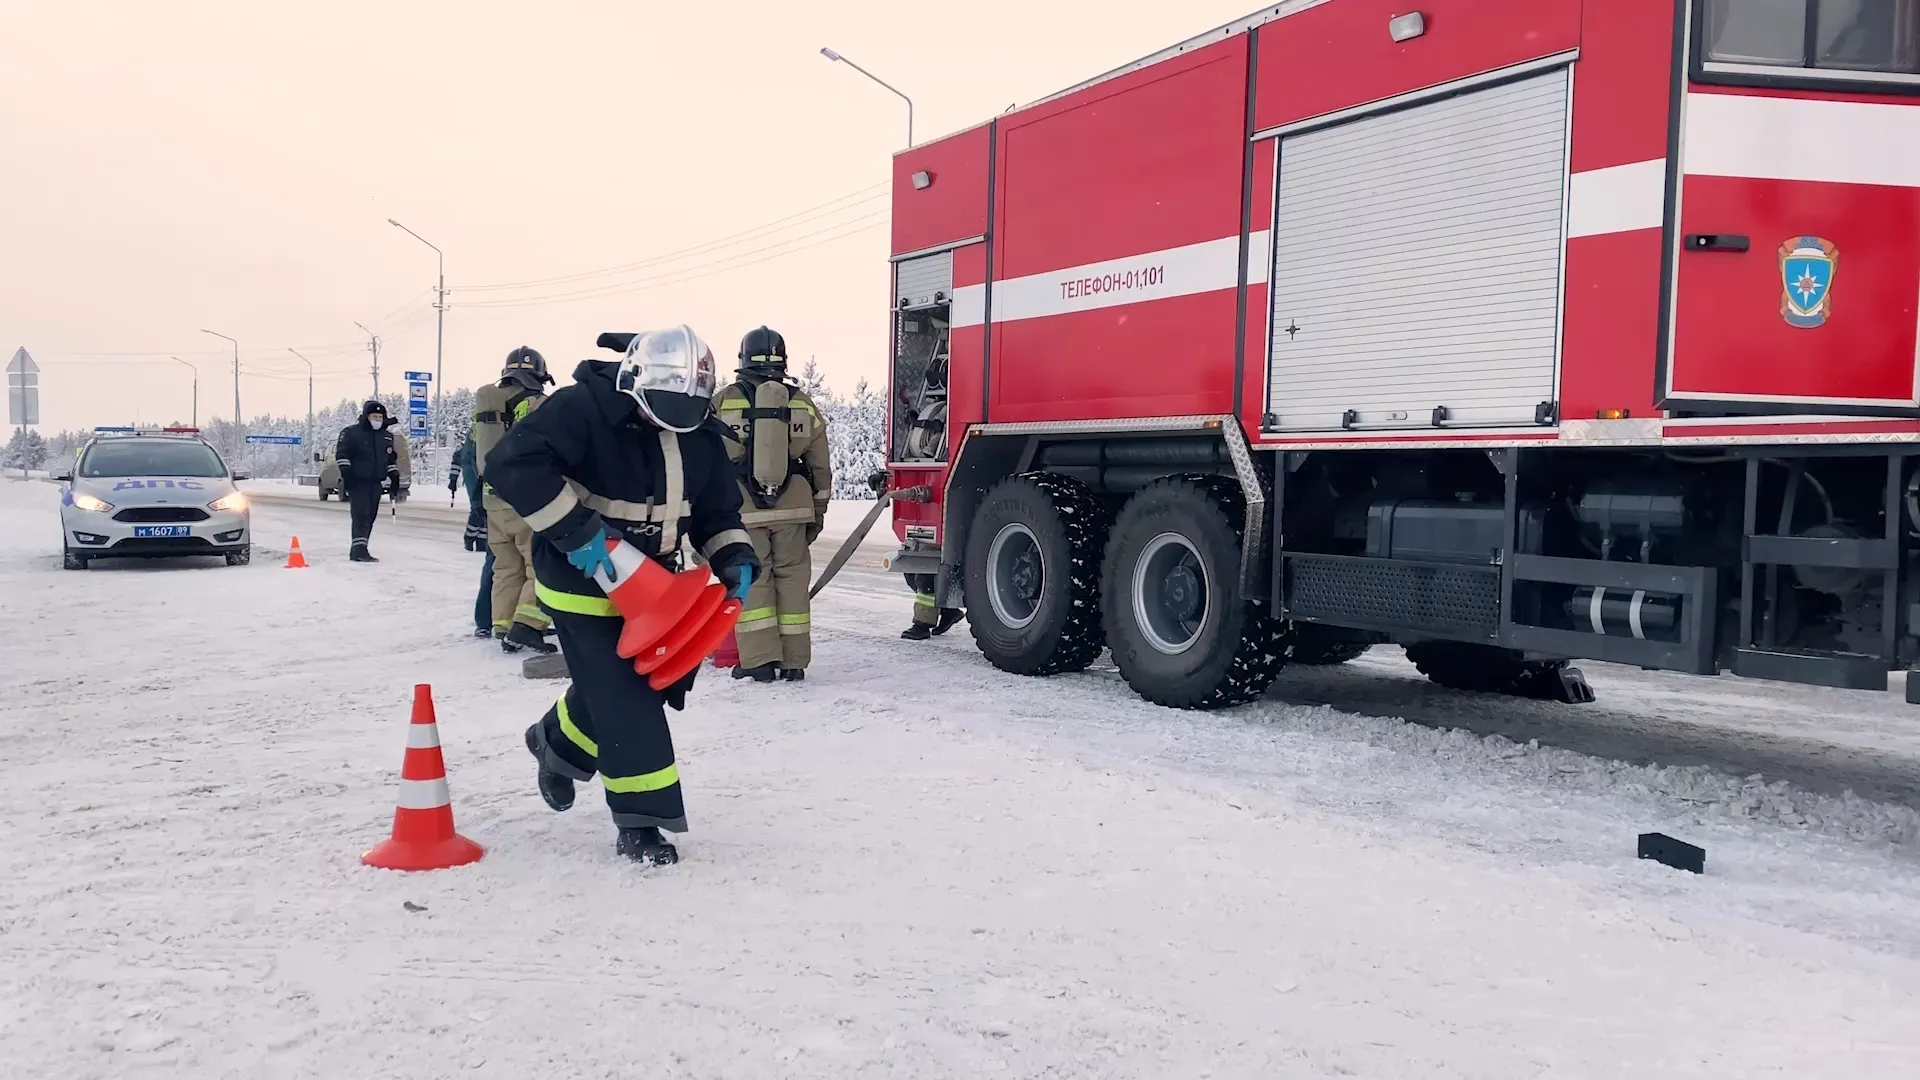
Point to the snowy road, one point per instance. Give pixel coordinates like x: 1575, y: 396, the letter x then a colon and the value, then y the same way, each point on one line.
x: 909, y: 866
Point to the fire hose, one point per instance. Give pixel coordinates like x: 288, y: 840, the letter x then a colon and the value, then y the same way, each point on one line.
x: 859, y: 534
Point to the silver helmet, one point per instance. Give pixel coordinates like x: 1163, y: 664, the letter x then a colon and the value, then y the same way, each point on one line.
x: 670, y: 374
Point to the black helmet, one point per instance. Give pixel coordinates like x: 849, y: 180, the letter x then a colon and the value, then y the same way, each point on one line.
x: 764, y: 350
x: 527, y: 367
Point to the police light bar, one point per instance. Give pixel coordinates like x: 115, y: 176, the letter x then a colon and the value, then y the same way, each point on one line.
x: 181, y: 430
x: 113, y: 431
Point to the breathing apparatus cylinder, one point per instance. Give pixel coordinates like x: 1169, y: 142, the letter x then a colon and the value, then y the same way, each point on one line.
x: 771, y: 462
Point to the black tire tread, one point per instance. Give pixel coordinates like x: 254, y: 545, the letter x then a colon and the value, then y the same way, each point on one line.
x: 1264, y: 645
x: 1319, y: 646
x: 1083, y: 638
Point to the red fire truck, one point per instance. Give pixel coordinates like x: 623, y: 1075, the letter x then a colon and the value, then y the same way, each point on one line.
x: 1514, y: 331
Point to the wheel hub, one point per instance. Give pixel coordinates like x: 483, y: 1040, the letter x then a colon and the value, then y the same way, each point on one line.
x: 1171, y: 597
x: 1016, y: 575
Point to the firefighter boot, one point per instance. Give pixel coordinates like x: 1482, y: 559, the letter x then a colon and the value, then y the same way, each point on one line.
x: 948, y: 618
x: 521, y: 636
x: 764, y: 673
x: 919, y: 631
x: 557, y: 790
x: 646, y: 846
x: 361, y: 554
x: 794, y: 674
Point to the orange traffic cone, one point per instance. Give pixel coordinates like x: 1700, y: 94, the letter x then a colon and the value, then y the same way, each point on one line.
x: 690, y: 624
x: 651, y: 598
x: 716, y: 629
x: 728, y: 654
x: 295, y: 560
x: 423, y: 836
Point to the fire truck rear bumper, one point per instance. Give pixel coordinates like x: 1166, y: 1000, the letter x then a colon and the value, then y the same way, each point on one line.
x: 913, y: 561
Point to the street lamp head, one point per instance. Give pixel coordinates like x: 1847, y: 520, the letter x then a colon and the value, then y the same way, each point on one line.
x: 830, y: 54
x: 395, y: 224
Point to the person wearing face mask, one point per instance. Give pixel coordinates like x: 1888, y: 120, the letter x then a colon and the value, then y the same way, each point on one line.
x: 369, y: 467
x: 629, y: 452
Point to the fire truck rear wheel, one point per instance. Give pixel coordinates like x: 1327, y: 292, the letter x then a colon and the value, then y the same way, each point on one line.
x: 1033, y: 575
x: 1180, y: 633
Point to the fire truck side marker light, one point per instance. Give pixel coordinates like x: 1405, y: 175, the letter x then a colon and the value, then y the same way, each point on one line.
x: 1611, y: 414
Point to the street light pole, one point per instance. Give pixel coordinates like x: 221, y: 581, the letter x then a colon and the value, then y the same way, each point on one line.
x: 440, y: 336
x: 838, y: 59
x: 196, y: 388
x: 309, y: 364
x: 236, y: 379
x: 373, y: 346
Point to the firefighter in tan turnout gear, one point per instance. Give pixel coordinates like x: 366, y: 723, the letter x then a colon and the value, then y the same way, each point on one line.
x: 779, y: 445
x: 518, y: 621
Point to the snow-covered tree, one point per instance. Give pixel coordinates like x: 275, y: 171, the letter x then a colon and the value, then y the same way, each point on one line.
x: 26, y: 450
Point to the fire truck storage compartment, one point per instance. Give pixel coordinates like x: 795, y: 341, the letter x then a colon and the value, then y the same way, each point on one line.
x: 1417, y: 264
x: 922, y: 302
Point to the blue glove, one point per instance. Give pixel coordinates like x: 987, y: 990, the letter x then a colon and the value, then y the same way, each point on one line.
x: 744, y: 573
x: 593, y: 555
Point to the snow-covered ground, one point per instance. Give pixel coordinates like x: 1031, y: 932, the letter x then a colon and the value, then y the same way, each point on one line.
x: 910, y: 865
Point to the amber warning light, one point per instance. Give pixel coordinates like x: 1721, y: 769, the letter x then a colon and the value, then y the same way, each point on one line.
x: 1610, y: 414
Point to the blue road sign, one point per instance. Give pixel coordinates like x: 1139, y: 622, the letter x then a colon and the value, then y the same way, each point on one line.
x: 419, y: 376
x: 274, y: 440
x: 417, y: 425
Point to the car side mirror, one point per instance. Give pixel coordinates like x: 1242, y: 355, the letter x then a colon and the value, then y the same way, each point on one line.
x: 65, y: 477
x: 239, y: 476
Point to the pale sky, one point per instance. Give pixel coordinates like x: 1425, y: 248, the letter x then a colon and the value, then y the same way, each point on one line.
x: 172, y: 165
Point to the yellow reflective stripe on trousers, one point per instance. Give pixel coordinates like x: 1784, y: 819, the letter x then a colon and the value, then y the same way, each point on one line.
x: 755, y: 619
x: 530, y: 613
x: 573, y: 603
x: 574, y: 734
x: 657, y: 780
x: 924, y: 599
x: 795, y: 620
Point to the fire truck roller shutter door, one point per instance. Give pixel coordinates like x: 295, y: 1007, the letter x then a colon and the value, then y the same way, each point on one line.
x: 1417, y: 263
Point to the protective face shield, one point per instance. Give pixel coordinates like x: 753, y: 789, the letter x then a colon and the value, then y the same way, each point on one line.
x: 670, y: 373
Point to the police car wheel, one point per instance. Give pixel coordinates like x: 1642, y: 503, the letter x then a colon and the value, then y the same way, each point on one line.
x: 241, y: 557
x: 72, y: 560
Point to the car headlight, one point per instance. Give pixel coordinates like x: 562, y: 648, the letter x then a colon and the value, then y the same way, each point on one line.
x: 233, y: 503
x: 87, y: 502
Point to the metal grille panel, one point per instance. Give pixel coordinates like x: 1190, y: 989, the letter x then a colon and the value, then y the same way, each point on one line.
x: 1390, y: 594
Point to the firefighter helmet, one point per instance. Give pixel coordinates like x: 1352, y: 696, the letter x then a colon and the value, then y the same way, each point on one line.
x: 527, y: 367
x: 764, y: 350
x: 670, y: 374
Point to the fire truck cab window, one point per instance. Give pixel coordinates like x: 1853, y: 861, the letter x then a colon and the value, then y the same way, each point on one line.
x: 1813, y: 36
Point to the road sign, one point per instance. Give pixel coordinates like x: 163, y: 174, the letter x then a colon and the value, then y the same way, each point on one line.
x: 274, y: 440
x: 23, y: 389
x: 417, y: 424
x: 419, y: 376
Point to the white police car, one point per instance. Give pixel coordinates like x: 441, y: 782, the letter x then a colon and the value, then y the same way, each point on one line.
x: 152, y: 493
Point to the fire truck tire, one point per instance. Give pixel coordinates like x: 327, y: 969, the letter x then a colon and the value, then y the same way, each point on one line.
x: 1033, y: 575
x: 1180, y: 633
x: 1318, y: 645
x: 1489, y: 670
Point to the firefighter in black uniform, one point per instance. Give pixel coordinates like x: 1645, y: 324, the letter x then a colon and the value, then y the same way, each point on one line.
x: 369, y: 467
x: 632, y: 451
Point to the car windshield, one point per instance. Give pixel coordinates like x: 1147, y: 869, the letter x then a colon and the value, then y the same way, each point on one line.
x: 151, y: 457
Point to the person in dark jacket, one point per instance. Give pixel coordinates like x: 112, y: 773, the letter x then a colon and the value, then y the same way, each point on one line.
x: 369, y: 468
x: 463, y: 471
x: 629, y: 451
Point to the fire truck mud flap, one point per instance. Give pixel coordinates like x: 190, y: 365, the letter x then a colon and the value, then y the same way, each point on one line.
x: 1032, y: 575
x: 1181, y: 633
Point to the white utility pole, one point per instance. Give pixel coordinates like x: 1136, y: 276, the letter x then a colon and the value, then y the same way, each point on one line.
x: 440, y: 335
x: 236, y: 379
x: 309, y: 364
x: 373, y: 346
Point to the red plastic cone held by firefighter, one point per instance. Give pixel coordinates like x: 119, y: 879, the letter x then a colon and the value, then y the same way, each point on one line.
x: 689, y: 625
x: 728, y: 654
x: 423, y: 836
x: 717, y: 628
x: 651, y: 598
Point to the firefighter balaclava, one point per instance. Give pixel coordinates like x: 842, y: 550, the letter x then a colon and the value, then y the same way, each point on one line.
x: 670, y: 374
x: 763, y: 352
x: 375, y: 415
x: 527, y: 367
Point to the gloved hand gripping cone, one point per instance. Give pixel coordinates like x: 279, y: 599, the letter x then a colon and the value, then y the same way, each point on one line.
x: 650, y: 598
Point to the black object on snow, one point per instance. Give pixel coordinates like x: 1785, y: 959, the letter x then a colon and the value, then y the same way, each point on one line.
x: 1678, y: 854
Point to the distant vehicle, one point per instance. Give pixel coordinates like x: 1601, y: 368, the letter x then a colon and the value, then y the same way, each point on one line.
x: 152, y: 493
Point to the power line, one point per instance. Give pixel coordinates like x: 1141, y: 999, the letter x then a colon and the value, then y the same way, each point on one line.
x: 826, y: 209
x: 685, y: 274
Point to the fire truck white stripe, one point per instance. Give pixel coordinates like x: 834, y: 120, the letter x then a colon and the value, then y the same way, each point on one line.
x: 1624, y: 198
x: 1771, y: 138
